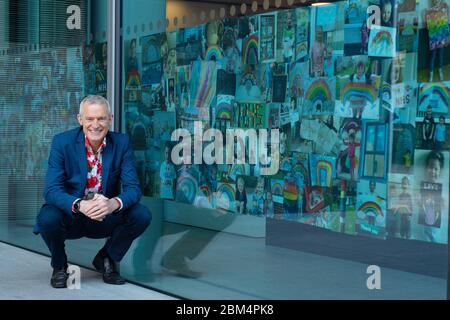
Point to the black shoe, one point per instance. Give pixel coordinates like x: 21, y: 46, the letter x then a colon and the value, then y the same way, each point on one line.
x: 108, y: 268
x: 59, y: 278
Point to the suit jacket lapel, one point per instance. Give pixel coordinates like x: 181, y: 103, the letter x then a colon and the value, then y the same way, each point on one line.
x: 82, y: 159
x: 106, y: 162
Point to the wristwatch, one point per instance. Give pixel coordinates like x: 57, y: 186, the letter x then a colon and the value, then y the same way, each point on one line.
x: 76, y: 205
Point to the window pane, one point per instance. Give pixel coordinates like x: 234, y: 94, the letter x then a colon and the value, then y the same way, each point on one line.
x: 380, y: 138
x: 370, y: 141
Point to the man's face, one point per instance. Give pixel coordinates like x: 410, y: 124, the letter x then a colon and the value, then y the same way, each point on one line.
x: 96, y: 121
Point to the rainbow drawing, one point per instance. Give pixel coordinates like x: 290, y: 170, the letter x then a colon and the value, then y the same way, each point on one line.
x: 438, y: 91
x: 213, y: 53
x: 323, y: 170
x: 324, y: 173
x: 226, y: 195
x: 250, y: 50
x: 224, y: 111
x: 386, y: 88
x: 358, y: 90
x: 386, y: 94
x: 371, y: 207
x: 382, y: 42
x: 186, y: 188
x: 383, y: 36
x: 277, y: 188
x: 350, y: 124
x: 318, y: 91
x: 204, y: 189
x: 134, y: 79
x: 249, y: 76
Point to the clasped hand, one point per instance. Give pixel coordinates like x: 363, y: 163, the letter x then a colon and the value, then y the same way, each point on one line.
x: 98, y: 207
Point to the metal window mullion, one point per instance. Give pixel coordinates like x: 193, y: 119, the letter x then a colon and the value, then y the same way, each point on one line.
x: 113, y: 57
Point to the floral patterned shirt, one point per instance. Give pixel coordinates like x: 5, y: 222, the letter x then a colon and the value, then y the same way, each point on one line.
x: 94, y: 164
x: 94, y: 174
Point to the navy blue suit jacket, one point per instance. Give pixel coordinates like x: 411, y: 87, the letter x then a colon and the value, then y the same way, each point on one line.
x: 67, y: 170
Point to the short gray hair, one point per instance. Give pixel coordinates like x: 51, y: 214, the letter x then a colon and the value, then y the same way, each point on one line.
x: 94, y: 99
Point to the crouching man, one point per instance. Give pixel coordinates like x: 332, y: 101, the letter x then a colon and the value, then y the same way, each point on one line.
x: 91, y: 190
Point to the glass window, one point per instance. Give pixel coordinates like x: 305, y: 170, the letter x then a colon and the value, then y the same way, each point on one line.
x: 46, y: 69
x: 338, y: 95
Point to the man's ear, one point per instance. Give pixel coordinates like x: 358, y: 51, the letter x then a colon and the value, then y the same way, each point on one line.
x: 79, y: 119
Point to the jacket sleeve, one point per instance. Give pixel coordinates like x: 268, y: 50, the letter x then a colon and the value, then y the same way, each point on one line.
x: 131, y: 190
x: 54, y: 191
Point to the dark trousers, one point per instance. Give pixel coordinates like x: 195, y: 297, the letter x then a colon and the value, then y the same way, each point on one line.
x: 121, y: 228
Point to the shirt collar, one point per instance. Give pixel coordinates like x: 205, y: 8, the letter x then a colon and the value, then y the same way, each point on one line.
x: 89, y: 147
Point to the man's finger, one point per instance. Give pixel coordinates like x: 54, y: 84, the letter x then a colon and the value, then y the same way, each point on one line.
x: 94, y: 210
x: 90, y: 210
x: 99, y: 210
x: 97, y: 204
x: 100, y: 215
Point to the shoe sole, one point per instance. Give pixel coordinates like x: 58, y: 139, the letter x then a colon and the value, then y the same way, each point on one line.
x: 115, y: 283
x: 60, y: 286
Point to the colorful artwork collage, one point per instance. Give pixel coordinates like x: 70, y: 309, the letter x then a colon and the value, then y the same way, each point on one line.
x: 363, y: 145
x: 40, y: 94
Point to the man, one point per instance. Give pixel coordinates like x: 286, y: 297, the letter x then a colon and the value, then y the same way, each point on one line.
x: 83, y: 197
